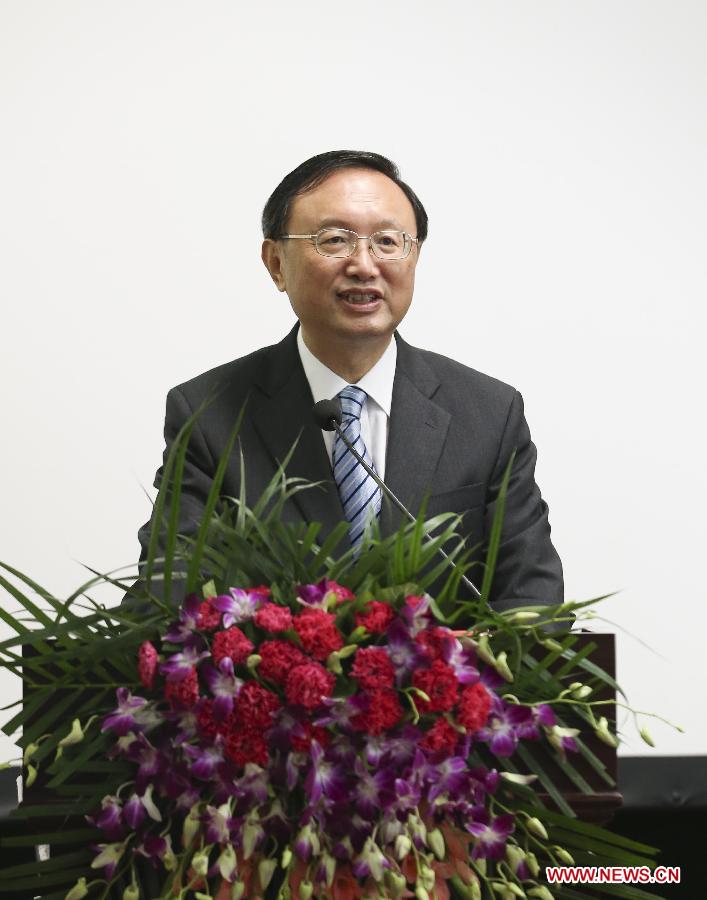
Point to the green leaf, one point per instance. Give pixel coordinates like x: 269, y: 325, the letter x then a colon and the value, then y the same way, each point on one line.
x: 91, y: 747
x: 496, y: 528
x: 593, y: 831
x: 534, y: 766
x: 59, y: 836
x: 211, y: 500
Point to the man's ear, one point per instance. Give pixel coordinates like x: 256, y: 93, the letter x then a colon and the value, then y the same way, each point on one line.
x: 271, y: 255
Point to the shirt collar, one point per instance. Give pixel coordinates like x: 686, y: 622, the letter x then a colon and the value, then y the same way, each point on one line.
x: 325, y: 384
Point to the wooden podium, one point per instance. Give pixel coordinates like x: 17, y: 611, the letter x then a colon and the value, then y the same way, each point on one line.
x: 599, y: 806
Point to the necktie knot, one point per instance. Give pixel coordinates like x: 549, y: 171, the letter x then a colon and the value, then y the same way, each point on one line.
x: 352, y: 399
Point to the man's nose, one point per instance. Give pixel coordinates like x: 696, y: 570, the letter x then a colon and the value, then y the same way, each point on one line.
x: 362, y: 263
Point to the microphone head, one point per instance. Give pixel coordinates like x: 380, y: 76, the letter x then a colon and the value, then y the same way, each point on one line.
x: 326, y: 412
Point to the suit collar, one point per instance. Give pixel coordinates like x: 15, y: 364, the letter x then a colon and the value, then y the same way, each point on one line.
x: 283, y: 415
x: 417, y: 434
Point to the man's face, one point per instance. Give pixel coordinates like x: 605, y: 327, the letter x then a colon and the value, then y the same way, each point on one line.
x: 358, y: 298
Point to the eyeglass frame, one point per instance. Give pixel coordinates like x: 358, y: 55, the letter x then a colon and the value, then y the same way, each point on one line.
x: 358, y: 237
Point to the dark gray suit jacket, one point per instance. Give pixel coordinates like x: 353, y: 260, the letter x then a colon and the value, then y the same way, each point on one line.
x: 452, y: 431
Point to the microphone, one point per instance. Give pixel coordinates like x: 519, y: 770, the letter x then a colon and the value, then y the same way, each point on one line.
x: 327, y: 415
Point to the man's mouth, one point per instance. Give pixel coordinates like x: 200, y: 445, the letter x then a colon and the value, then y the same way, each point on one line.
x: 359, y: 298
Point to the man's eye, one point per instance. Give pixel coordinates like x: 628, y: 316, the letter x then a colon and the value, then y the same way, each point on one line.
x: 332, y: 239
x: 389, y: 242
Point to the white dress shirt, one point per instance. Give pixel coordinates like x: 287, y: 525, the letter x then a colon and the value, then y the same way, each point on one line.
x: 378, y: 385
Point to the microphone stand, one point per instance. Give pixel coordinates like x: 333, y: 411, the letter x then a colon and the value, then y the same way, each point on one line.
x: 331, y: 423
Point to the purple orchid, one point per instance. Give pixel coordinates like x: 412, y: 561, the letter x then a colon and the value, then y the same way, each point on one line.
x: 371, y: 861
x: 108, y: 858
x: 285, y: 726
x: 323, y: 594
x: 186, y: 722
x: 314, y: 595
x: 181, y: 664
x: 154, y: 846
x: 544, y: 715
x: 151, y: 763
x: 340, y: 710
x: 132, y: 714
x: 224, y: 686
x: 460, y: 655
x: 177, y: 785
x: 372, y: 790
x: 487, y: 780
x: 252, y: 786
x: 217, y: 824
x: 404, y: 653
x: 449, y: 776
x: 109, y: 819
x: 182, y: 631
x: 506, y: 724
x: 490, y: 834
x: 324, y: 779
x: 408, y: 794
x: 205, y: 759
x: 237, y: 606
x: 139, y: 806
x: 306, y: 843
x: 401, y: 747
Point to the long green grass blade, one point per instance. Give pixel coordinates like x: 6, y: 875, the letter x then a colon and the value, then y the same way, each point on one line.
x: 496, y: 529
x: 534, y: 766
x: 59, y: 836
x: 211, y: 501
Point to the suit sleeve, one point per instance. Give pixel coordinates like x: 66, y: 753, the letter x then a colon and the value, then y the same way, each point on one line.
x: 529, y: 569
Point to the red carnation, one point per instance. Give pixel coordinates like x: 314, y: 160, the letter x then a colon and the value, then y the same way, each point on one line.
x: 147, y: 660
x: 441, y: 737
x: 277, y: 659
x: 383, y: 712
x: 208, y: 617
x: 432, y: 641
x: 440, y: 684
x: 318, y: 633
x: 474, y: 706
x: 376, y: 617
x: 231, y: 643
x: 373, y: 668
x: 262, y: 590
x: 307, y: 685
x: 255, y: 707
x: 272, y: 617
x: 182, y: 694
x: 246, y: 746
x: 303, y: 742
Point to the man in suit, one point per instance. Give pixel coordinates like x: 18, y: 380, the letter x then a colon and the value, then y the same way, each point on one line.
x: 342, y: 237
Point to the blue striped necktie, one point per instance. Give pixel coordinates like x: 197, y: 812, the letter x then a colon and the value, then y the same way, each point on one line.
x: 359, y: 493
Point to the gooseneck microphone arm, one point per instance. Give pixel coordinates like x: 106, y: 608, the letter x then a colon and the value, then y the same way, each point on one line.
x: 327, y: 415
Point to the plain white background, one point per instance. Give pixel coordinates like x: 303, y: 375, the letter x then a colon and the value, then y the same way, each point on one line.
x: 565, y: 143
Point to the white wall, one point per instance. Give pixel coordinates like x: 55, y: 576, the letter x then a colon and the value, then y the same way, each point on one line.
x: 566, y: 140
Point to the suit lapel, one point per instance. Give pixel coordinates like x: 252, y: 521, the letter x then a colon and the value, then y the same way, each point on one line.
x: 281, y: 414
x: 417, y: 433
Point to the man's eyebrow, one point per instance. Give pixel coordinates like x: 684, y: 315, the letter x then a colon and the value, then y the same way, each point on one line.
x: 337, y: 222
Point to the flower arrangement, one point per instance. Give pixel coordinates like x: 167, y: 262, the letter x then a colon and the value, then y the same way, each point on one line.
x: 331, y: 733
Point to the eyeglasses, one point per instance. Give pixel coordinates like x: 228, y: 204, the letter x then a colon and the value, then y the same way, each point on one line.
x: 340, y: 242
